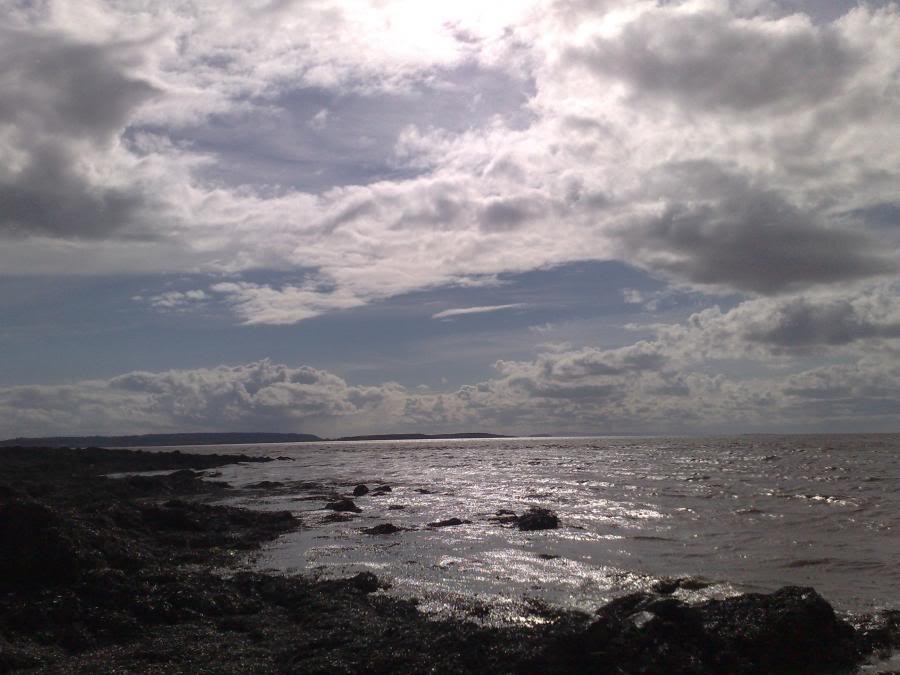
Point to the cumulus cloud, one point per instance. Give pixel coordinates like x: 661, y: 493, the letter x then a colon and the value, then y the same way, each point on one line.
x: 631, y: 389
x: 64, y: 105
x: 711, y: 59
x: 258, y: 395
x: 748, y: 238
x: 854, y: 321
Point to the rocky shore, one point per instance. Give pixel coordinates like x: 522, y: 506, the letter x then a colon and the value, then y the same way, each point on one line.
x: 133, y: 574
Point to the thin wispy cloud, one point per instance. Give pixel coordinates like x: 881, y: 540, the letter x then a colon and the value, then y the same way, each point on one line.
x: 463, y: 311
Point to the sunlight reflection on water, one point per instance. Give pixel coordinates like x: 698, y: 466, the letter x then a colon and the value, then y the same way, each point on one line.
x: 750, y: 513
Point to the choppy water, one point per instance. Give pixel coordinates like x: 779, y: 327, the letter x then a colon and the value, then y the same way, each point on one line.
x: 750, y: 514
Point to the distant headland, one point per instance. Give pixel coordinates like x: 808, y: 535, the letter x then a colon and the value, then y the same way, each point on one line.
x: 229, y: 438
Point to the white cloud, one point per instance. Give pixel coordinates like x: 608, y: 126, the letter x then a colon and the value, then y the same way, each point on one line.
x: 262, y: 304
x: 463, y: 311
x: 174, y: 300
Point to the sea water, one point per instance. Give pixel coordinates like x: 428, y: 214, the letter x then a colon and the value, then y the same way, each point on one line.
x: 740, y: 514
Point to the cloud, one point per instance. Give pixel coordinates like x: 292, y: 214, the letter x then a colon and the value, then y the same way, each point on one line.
x: 263, y: 304
x: 64, y: 105
x: 721, y: 149
x: 711, y: 60
x: 176, y: 300
x: 745, y: 237
x: 447, y: 313
x: 259, y: 395
x: 648, y: 386
x: 860, y: 320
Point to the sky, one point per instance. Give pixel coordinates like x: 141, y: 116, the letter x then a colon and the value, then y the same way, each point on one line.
x: 521, y: 216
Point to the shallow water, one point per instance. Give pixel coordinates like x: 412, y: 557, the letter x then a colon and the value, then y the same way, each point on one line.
x: 749, y: 514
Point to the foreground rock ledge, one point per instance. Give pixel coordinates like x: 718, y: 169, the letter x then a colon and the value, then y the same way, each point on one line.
x: 100, y: 575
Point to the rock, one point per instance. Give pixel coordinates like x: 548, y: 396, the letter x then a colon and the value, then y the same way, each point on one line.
x: 423, y: 491
x: 538, y: 519
x: 365, y: 582
x: 360, y: 490
x: 265, y: 485
x: 38, y: 547
x: 668, y: 585
x: 337, y: 518
x: 381, y: 490
x: 450, y: 522
x: 790, y: 631
x: 396, y: 507
x: 383, y: 528
x: 343, y: 505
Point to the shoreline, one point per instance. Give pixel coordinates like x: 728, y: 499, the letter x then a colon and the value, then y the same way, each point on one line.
x: 133, y: 574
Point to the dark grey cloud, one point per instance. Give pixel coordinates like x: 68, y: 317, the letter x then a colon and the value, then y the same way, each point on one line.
x: 64, y: 104
x: 68, y: 88
x: 709, y: 61
x: 49, y: 196
x: 800, y: 323
x: 719, y: 228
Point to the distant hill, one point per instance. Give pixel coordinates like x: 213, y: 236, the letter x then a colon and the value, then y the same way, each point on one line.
x: 237, y: 438
x: 418, y: 437
x: 158, y: 439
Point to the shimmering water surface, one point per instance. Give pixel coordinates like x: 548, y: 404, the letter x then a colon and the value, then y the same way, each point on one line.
x: 749, y: 514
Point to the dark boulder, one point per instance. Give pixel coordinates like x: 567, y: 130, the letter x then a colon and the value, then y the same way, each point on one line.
x: 364, y: 582
x: 381, y: 490
x: 343, y: 505
x: 360, y: 490
x: 538, y: 519
x: 383, y: 528
x: 790, y: 631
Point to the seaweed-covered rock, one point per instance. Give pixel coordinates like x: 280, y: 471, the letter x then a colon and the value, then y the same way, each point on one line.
x: 343, y: 505
x: 383, y: 528
x: 790, y: 631
x: 38, y: 547
x: 360, y: 490
x: 538, y: 519
x: 365, y: 582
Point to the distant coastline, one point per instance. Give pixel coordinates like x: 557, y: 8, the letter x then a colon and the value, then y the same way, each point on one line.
x: 229, y: 438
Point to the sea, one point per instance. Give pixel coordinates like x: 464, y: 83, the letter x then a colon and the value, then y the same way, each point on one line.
x: 733, y: 514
